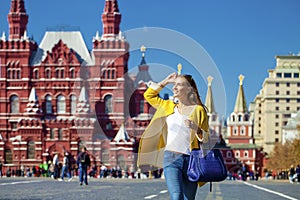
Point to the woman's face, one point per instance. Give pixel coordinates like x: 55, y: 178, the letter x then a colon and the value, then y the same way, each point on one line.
x: 181, y: 88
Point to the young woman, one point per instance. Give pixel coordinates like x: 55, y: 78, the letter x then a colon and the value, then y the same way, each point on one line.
x: 173, y: 132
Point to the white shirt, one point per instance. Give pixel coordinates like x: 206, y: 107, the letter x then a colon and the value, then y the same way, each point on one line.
x: 178, y: 139
x: 55, y: 160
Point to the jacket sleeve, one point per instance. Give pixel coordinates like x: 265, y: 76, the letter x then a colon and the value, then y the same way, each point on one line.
x: 200, y: 117
x: 151, y: 95
x: 77, y: 159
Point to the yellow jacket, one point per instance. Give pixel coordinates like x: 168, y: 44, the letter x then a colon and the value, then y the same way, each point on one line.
x: 153, y: 140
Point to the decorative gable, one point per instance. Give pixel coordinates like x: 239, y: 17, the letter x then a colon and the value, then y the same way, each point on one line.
x: 61, y: 54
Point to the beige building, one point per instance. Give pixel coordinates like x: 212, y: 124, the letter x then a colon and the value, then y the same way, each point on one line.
x: 278, y: 98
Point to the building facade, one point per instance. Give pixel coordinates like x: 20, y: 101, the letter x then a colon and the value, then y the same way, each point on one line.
x: 58, y: 95
x: 237, y: 143
x: 276, y: 101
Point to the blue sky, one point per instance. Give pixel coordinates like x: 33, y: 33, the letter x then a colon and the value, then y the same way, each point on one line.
x: 240, y: 36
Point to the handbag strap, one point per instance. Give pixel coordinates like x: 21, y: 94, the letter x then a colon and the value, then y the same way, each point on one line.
x: 201, y: 143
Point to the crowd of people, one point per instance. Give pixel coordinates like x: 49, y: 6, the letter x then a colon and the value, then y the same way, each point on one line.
x: 74, y: 166
x: 78, y: 166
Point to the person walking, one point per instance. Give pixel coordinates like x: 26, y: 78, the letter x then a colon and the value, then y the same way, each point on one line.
x: 55, y: 166
x: 171, y: 134
x: 298, y: 173
x: 1, y: 165
x: 65, y: 168
x: 83, y: 162
x: 292, y: 174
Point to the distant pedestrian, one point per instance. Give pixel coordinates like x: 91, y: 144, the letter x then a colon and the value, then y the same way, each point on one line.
x: 292, y: 174
x: 33, y: 171
x: 256, y: 175
x: 65, y: 168
x: 244, y: 172
x: 298, y: 173
x: 1, y: 165
x: 55, y: 165
x: 83, y: 162
x: 8, y: 172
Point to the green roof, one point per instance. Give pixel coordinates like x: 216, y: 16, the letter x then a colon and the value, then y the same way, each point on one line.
x: 244, y: 146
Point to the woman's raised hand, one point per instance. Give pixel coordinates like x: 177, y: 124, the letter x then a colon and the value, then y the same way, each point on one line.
x: 169, y: 79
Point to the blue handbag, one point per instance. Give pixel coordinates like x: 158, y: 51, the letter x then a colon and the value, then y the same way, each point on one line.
x: 208, y: 168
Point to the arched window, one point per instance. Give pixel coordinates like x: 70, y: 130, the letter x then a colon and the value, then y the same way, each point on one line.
x: 235, y: 130
x: 240, y: 118
x: 142, y: 106
x: 8, y: 73
x: 228, y: 154
x: 36, y: 73
x: 48, y: 104
x: 62, y: 73
x: 246, y: 154
x: 18, y: 74
x: 233, y: 118
x: 48, y: 73
x: 72, y: 73
x: 113, y: 72
x: 60, y: 134
x: 30, y: 150
x: 61, y: 104
x: 57, y: 73
x: 52, y: 134
x: 14, y: 104
x: 243, y: 130
x: 108, y: 74
x: 13, y: 74
x: 73, y: 104
x: 108, y: 104
x: 103, y: 74
x: 237, y: 154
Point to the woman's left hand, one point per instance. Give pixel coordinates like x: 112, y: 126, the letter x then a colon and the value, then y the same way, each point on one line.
x: 190, y: 124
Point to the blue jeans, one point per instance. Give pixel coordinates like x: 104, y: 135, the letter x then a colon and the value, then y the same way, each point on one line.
x: 65, y: 170
x: 175, y: 172
x: 83, y: 173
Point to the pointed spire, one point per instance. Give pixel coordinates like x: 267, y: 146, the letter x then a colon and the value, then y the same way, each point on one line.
x: 25, y: 37
x: 143, y: 50
x: 111, y: 18
x: 97, y: 35
x: 33, y: 106
x: 209, y: 101
x: 17, y: 19
x: 33, y: 97
x: 122, y: 135
x: 143, y: 74
x: 240, y: 104
x: 3, y: 36
x: 83, y: 105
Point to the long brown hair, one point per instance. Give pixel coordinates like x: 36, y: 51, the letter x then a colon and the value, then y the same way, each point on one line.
x: 194, y: 94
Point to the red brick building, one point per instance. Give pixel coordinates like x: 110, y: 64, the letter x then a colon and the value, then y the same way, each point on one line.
x: 57, y: 95
x: 240, y: 137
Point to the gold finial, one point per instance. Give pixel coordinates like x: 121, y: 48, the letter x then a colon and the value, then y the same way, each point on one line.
x: 209, y: 80
x: 143, y: 50
x: 179, y: 68
x: 241, y: 77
